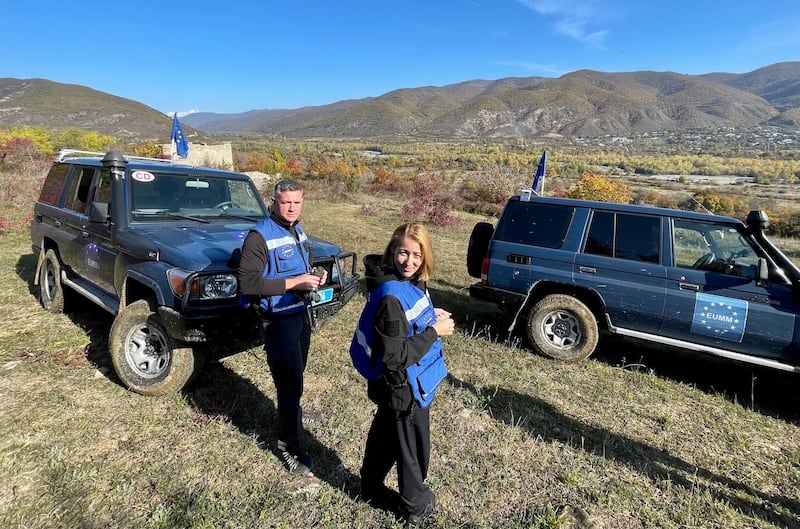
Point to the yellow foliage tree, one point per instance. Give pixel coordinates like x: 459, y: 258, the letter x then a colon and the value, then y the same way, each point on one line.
x: 41, y: 138
x: 597, y: 187
x: 72, y: 138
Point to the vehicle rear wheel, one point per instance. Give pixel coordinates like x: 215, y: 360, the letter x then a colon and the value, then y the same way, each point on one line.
x: 145, y: 358
x: 51, y: 291
x: 563, y: 328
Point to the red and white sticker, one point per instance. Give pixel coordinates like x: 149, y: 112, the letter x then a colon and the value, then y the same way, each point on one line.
x: 143, y: 176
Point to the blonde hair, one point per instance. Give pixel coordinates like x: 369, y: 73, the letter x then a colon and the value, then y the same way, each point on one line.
x: 417, y: 233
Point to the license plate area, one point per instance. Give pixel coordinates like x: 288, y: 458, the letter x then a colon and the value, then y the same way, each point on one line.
x: 325, y: 296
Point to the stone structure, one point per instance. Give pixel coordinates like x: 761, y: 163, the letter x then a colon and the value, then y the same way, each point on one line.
x: 216, y: 156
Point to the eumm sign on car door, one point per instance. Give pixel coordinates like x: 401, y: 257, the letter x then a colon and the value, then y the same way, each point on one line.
x: 720, y: 317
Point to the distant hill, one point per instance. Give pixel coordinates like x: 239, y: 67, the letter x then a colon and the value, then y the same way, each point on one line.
x: 582, y: 103
x: 43, y: 103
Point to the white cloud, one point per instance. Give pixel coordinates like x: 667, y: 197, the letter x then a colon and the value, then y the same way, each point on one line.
x: 573, y: 18
x: 543, y: 70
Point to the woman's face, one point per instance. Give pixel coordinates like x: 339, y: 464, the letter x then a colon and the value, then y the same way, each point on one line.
x: 408, y: 257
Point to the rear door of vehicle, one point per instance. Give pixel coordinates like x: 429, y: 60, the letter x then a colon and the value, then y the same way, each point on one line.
x: 716, y: 301
x: 527, y: 246
x: 621, y: 261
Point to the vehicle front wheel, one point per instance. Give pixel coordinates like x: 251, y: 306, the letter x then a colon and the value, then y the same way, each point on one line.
x: 51, y: 291
x: 563, y: 328
x: 145, y: 358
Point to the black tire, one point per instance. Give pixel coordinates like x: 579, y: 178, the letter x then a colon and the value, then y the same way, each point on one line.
x: 145, y: 358
x: 51, y: 291
x: 478, y: 247
x: 563, y: 328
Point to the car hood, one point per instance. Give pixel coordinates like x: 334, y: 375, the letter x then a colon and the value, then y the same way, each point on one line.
x: 214, y: 246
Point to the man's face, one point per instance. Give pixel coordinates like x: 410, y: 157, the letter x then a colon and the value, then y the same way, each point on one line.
x: 287, y: 205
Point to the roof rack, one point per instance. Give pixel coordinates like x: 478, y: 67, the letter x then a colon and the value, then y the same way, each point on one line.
x: 70, y: 153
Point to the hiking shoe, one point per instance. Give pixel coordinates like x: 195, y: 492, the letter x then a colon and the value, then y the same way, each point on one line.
x: 295, y: 460
x: 415, y: 520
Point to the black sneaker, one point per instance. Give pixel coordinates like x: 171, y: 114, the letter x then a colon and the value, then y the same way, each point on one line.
x: 415, y: 520
x: 295, y: 460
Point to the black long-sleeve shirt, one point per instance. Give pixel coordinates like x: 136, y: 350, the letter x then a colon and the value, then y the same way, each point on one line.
x: 393, y: 345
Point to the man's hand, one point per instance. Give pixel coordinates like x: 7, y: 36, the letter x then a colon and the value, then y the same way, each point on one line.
x: 306, y: 282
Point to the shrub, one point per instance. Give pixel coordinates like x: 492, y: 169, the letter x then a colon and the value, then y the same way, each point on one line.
x: 430, y: 201
x: 596, y: 187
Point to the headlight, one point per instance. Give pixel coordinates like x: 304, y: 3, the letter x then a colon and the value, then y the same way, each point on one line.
x: 213, y: 286
x: 217, y: 286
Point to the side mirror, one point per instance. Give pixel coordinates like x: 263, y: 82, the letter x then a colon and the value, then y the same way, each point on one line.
x: 98, y: 212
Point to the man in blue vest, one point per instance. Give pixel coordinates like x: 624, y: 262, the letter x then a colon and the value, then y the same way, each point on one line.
x: 275, y: 277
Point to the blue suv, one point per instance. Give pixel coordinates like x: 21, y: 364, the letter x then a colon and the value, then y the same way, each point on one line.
x: 572, y: 269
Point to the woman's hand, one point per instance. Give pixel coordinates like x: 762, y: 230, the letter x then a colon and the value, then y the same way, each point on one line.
x: 444, y: 323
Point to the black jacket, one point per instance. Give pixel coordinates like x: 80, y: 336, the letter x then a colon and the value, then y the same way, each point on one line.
x: 392, y: 343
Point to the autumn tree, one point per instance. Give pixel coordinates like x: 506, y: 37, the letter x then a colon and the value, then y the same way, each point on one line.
x: 597, y: 187
x: 72, y: 138
x: 148, y: 149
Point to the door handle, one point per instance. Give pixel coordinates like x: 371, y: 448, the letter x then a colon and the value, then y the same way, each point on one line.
x: 689, y: 286
x: 84, y: 233
x: 57, y: 223
x: 587, y: 270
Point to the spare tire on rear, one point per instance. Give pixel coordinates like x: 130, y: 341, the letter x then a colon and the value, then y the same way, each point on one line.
x: 478, y: 247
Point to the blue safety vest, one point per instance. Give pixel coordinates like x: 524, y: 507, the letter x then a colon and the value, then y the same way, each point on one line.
x: 426, y: 374
x: 288, y: 257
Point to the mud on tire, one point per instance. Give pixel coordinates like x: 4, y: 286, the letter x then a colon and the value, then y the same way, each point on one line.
x: 51, y: 291
x: 145, y: 358
x: 563, y: 328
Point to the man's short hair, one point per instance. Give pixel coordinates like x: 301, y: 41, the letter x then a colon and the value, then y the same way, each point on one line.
x: 287, y: 184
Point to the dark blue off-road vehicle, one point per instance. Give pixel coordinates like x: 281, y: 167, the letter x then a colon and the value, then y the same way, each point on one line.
x: 156, y: 244
x: 569, y: 269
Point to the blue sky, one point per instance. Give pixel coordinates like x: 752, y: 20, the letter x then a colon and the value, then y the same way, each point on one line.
x: 237, y: 56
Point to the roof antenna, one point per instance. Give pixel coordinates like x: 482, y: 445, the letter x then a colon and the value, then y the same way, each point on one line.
x: 699, y: 204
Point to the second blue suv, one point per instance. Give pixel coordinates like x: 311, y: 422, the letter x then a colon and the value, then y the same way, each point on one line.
x: 570, y: 269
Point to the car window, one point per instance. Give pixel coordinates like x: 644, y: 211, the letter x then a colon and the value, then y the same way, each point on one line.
x: 102, y: 191
x: 713, y: 247
x: 624, y: 236
x: 51, y: 189
x: 155, y: 193
x: 535, y: 224
x: 78, y: 191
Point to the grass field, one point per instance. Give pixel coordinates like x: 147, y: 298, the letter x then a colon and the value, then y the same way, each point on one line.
x: 634, y: 438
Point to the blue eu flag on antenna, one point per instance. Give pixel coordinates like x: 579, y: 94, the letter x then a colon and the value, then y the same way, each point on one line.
x: 177, y: 137
x: 539, y: 177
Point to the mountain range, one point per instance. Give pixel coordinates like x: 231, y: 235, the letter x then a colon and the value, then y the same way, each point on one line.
x: 582, y: 103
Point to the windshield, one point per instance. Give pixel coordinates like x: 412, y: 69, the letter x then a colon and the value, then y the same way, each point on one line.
x: 164, y: 196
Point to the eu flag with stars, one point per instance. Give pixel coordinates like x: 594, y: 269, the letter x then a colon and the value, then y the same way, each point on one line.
x: 178, y: 138
x: 720, y: 317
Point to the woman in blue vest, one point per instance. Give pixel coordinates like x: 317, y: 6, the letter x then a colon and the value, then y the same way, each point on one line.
x: 397, y: 346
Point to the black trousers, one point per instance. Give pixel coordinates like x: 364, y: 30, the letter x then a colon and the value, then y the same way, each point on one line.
x: 402, y: 438
x: 286, y: 343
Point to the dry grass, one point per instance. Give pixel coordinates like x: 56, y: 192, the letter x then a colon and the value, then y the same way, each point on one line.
x: 519, y: 441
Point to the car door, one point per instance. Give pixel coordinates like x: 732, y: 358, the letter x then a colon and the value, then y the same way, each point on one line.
x: 96, y: 254
x: 621, y: 261
x: 74, y: 218
x: 714, y: 298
